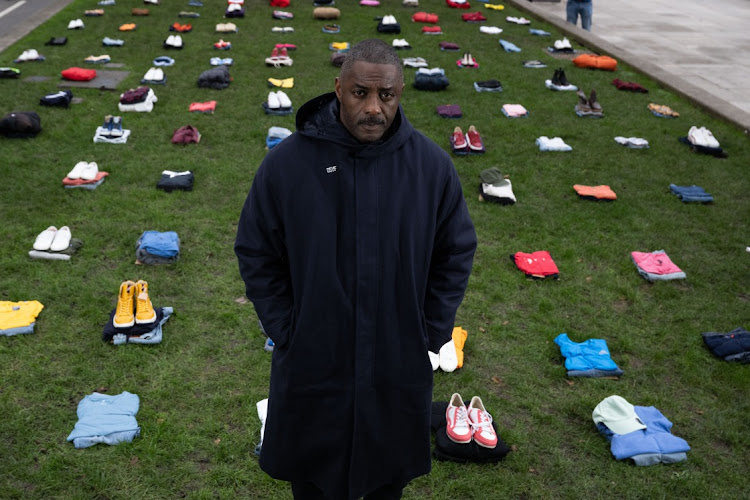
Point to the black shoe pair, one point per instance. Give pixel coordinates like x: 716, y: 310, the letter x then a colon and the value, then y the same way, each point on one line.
x: 559, y: 78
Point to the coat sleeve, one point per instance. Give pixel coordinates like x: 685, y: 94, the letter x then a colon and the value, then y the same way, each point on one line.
x: 264, y: 266
x: 450, y: 266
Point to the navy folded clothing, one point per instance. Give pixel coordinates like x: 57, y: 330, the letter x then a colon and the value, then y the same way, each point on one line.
x: 181, y: 181
x: 732, y: 346
x: 691, y: 194
x: 61, y: 99
x: 136, y: 330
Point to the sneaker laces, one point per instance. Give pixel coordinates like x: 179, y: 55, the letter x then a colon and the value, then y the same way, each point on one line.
x: 122, y: 306
x: 484, y: 422
x: 462, y: 416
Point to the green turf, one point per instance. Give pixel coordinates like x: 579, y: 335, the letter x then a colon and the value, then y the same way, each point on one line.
x: 198, y: 389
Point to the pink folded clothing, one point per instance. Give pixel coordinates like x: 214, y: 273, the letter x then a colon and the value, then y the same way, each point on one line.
x: 514, y: 110
x: 369, y: 3
x: 203, y: 107
x: 655, y: 262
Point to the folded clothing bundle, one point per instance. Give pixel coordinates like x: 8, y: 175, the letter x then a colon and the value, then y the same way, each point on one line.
x: 171, y: 181
x: 106, y: 419
x: 536, y: 265
x: 154, y: 247
x: 20, y: 124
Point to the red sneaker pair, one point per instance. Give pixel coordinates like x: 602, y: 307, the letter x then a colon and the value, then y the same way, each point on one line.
x: 472, y: 140
x: 279, y: 52
x: 464, y: 424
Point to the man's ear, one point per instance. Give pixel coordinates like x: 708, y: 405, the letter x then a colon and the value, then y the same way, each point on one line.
x: 337, y: 88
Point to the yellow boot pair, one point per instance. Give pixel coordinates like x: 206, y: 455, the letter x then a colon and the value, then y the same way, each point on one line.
x: 133, y: 305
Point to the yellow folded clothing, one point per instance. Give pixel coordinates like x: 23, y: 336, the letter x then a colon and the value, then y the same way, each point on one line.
x: 459, y: 339
x: 18, y: 314
x: 286, y: 83
x: 340, y: 45
x: 494, y: 7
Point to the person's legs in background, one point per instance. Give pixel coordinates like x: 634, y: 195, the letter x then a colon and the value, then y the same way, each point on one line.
x: 571, y: 8
x: 586, y: 13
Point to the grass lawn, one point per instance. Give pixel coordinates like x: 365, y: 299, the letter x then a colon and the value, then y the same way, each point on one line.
x: 198, y: 388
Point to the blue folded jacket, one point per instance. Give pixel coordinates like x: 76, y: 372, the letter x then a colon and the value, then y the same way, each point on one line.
x: 166, y: 244
x: 691, y: 194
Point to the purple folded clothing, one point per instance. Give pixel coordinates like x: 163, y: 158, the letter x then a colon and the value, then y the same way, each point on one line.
x: 449, y: 111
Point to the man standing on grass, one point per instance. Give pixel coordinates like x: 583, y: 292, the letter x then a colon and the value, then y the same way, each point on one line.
x: 355, y: 246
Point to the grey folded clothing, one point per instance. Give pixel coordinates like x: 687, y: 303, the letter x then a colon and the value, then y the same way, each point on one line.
x: 73, y: 247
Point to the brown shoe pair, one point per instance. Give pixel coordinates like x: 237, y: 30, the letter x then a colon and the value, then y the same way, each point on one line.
x: 588, y: 106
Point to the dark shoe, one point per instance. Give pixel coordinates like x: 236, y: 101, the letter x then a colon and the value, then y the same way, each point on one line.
x: 561, y: 77
x: 593, y: 103
x: 556, y: 78
x: 583, y: 103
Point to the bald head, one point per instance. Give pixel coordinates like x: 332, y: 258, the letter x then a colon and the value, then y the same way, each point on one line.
x: 374, y: 51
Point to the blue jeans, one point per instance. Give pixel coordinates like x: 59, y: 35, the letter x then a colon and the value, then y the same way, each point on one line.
x: 575, y: 8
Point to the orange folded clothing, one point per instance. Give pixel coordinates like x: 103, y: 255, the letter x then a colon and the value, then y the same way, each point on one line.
x: 595, y: 62
x: 80, y: 182
x: 459, y: 339
x: 595, y: 192
x: 203, y: 107
x: 434, y: 30
x: 181, y: 28
x: 127, y: 27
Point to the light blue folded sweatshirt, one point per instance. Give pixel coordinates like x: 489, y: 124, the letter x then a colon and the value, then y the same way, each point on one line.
x: 106, y: 419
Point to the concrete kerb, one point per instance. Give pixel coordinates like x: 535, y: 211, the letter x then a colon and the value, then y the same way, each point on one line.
x: 700, y: 97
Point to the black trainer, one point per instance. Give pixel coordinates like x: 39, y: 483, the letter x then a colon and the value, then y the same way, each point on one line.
x: 561, y: 78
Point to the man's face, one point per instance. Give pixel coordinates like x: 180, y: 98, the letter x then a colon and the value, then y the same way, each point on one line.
x: 369, y: 95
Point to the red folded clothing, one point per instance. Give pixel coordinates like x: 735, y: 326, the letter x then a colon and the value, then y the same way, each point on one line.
x: 78, y: 74
x: 424, y: 17
x: 80, y: 182
x: 458, y: 5
x: 185, y: 135
x: 536, y: 265
x: 280, y: 3
x: 473, y: 17
x: 431, y: 29
x: 134, y: 96
x: 631, y: 86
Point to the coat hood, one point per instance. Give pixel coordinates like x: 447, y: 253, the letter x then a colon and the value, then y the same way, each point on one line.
x: 319, y: 119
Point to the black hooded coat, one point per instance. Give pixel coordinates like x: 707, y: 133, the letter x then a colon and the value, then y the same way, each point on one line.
x: 356, y: 257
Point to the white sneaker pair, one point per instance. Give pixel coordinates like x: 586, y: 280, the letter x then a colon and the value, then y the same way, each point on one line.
x: 492, y: 30
x: 233, y: 6
x: 400, y: 43
x: 702, y: 137
x: 279, y: 100
x: 389, y: 20
x: 431, y: 71
x: 75, y: 24
x: 154, y: 75
x: 53, y: 239
x: 174, y: 41
x: 415, y: 62
x: 29, y: 55
x: 282, y: 29
x: 446, y: 359
x: 563, y: 44
x: 84, y: 170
